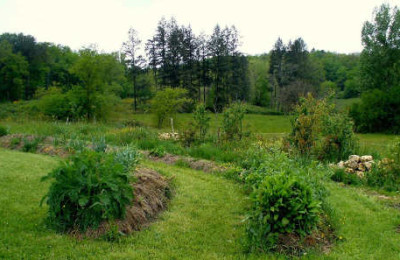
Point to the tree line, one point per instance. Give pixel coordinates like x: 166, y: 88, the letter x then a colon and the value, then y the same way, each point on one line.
x: 210, y: 68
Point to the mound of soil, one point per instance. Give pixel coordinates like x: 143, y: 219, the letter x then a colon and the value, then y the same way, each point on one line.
x: 195, y: 164
x: 44, y: 145
x: 151, y: 194
x: 321, y: 239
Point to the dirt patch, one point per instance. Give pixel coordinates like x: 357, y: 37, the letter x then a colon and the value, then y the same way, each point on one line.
x: 151, y: 194
x: 195, y: 164
x: 168, y: 158
x: 321, y: 239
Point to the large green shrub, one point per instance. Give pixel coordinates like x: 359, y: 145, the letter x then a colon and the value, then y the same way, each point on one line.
x: 378, y: 111
x: 75, y: 104
x: 167, y: 102
x: 338, y: 140
x: 281, y: 205
x: 90, y: 188
x: 318, y: 130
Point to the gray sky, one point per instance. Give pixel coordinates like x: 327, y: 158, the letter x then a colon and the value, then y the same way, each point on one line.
x: 333, y: 25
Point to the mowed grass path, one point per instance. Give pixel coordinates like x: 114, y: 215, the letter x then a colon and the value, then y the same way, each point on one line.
x: 203, y: 221
x: 369, y: 230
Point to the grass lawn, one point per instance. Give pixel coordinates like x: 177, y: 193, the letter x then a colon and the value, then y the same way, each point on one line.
x: 368, y: 228
x: 203, y: 221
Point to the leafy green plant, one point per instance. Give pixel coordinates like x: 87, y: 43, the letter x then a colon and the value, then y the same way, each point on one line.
x: 89, y: 188
x: 319, y: 131
x: 386, y: 175
x: 99, y: 144
x: 338, y: 140
x: 15, y: 141
x: 128, y: 157
x: 166, y: 103
x: 31, y: 145
x: 202, y: 120
x: 232, y: 123
x: 339, y: 175
x: 158, y: 151
x: 188, y: 136
x: 3, y: 131
x: 281, y: 205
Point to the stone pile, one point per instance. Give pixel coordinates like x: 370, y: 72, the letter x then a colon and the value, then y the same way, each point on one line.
x: 357, y: 164
x: 168, y: 136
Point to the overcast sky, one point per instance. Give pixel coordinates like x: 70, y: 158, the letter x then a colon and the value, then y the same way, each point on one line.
x: 333, y: 25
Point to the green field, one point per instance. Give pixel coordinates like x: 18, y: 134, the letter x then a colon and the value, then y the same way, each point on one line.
x: 203, y: 221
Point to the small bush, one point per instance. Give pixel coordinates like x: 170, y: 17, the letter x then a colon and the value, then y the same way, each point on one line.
x: 158, y: 151
x: 167, y: 102
x: 340, y: 175
x: 99, y: 144
x: 89, y: 188
x: 281, y: 205
x: 3, y: 131
x: 188, y: 136
x: 319, y: 131
x: 15, y: 142
x: 232, y: 123
x: 386, y: 176
x: 202, y: 121
x: 128, y: 157
x: 31, y: 145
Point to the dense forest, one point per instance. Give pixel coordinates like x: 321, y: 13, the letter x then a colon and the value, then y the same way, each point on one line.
x: 210, y: 68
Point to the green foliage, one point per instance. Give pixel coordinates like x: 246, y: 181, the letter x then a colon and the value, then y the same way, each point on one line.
x: 13, y: 72
x: 281, y: 205
x: 74, y: 105
x: 380, y: 58
x: 338, y: 138
x: 232, y: 123
x: 378, y: 111
x: 202, y: 120
x: 3, y: 131
x: 328, y: 87
x: 306, y: 124
x: 318, y: 130
x: 385, y: 177
x: 158, y: 151
x: 31, y: 144
x: 15, y: 142
x: 89, y: 188
x: 188, y: 136
x: 167, y: 102
x: 339, y: 175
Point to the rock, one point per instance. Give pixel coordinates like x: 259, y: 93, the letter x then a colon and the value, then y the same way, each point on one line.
x: 360, y: 174
x: 366, y: 158
x: 340, y: 165
x: 386, y: 161
x: 351, y: 164
x: 349, y: 170
x: 368, y: 166
x: 361, y: 167
x: 354, y: 158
